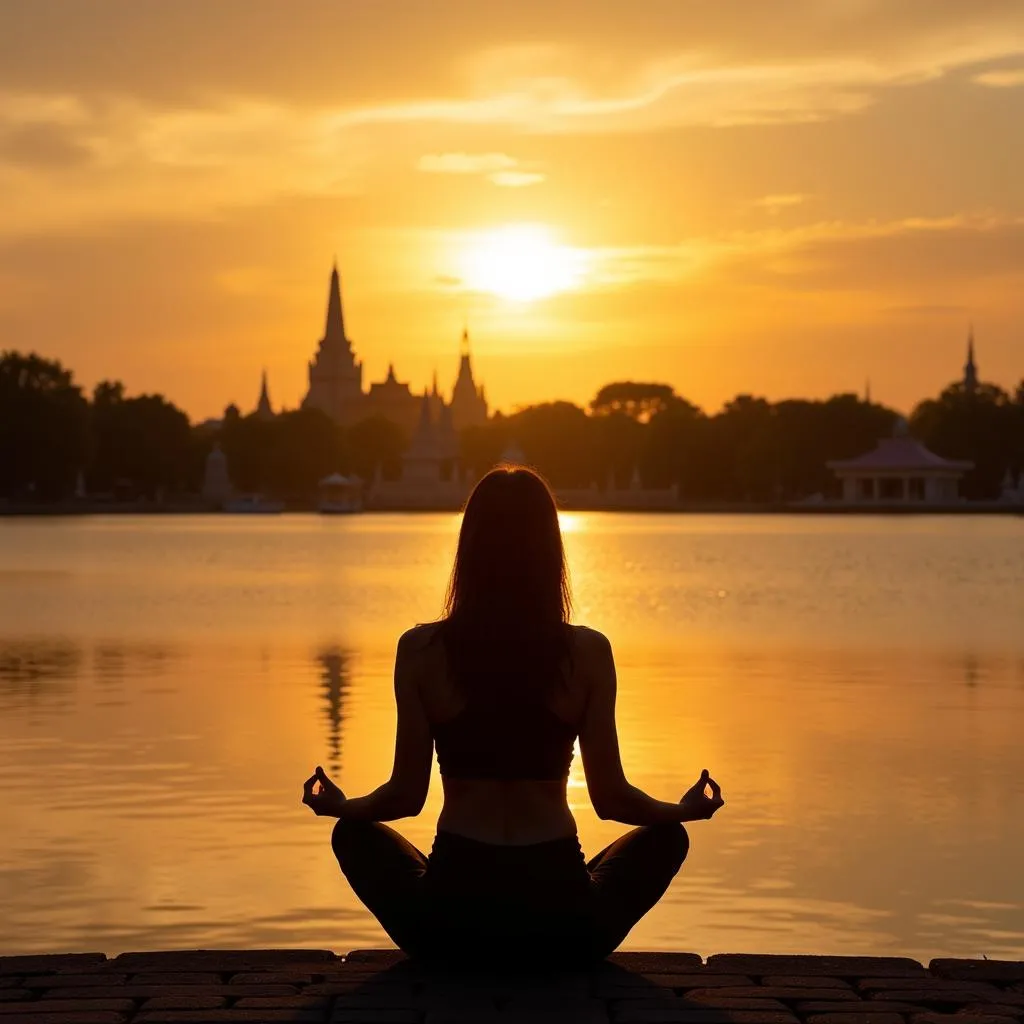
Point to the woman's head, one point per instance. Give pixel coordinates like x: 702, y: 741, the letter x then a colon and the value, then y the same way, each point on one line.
x: 510, y: 563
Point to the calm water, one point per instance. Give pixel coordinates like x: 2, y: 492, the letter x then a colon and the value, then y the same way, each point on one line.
x: 857, y: 685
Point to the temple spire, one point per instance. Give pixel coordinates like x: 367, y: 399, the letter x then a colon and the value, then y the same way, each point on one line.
x: 469, y: 408
x: 335, y: 328
x: 264, y: 410
x: 970, y: 367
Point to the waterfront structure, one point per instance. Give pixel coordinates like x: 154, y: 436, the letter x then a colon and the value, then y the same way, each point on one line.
x: 1012, y: 491
x: 339, y: 494
x: 612, y: 498
x: 216, y: 482
x: 900, y: 471
x: 336, y: 383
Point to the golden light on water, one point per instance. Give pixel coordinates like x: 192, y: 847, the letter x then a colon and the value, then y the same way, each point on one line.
x: 521, y: 263
x: 802, y: 711
x: 571, y: 522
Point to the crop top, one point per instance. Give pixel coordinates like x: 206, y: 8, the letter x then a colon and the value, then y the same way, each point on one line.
x: 504, y: 741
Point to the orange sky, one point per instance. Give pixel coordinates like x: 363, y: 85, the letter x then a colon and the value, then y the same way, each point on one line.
x: 775, y: 198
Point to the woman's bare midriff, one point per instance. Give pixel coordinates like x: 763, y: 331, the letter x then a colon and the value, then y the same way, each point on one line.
x: 508, y: 813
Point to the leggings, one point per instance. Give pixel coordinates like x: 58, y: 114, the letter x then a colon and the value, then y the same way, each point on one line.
x: 538, y: 902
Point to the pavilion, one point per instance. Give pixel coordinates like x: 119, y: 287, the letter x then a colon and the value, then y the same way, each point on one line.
x: 900, y: 471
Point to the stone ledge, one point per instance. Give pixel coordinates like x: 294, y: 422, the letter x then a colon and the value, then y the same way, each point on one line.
x: 366, y: 986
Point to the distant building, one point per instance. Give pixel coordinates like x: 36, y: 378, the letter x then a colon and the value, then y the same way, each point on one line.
x: 391, y: 399
x: 469, y: 406
x: 335, y: 375
x: 336, y: 383
x: 431, y: 476
x: 900, y: 471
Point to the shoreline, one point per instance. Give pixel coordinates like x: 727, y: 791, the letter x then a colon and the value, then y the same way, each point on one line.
x: 79, y: 508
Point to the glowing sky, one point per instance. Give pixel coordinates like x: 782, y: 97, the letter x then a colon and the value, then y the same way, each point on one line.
x: 733, y: 196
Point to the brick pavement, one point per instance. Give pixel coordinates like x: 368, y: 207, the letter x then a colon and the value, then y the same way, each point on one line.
x: 381, y: 987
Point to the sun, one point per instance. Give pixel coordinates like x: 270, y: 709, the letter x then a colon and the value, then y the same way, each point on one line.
x: 521, y: 263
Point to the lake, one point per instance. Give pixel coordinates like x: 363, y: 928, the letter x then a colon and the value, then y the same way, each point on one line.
x: 855, y: 683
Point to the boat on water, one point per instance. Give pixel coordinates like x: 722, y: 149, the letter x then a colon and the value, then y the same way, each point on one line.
x: 340, y: 495
x: 253, y: 504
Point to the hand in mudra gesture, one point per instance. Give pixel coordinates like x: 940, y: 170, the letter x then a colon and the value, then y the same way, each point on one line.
x: 697, y: 803
x: 326, y: 801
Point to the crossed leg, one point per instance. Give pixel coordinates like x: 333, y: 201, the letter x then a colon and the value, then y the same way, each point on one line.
x: 629, y: 876
x: 386, y: 872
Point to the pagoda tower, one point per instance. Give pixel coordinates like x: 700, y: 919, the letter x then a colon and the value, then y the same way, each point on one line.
x: 335, y: 376
x: 469, y: 406
x: 264, y: 410
x: 421, y: 463
x: 970, y: 368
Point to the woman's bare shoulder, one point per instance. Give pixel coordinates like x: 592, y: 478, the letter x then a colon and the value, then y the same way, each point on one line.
x: 418, y: 638
x: 590, y: 643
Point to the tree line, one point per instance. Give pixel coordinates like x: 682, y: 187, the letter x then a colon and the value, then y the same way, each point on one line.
x: 54, y: 439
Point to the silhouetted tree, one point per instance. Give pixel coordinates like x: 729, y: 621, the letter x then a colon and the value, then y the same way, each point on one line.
x: 306, y: 445
x: 618, y: 439
x: 557, y: 437
x: 376, y: 442
x: 143, y: 445
x: 674, y: 445
x: 44, y: 427
x: 286, y: 456
x: 480, y: 447
x: 635, y: 399
x: 978, y: 425
x: 752, y: 450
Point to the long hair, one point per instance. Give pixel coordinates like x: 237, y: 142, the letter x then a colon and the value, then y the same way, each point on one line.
x: 508, y: 602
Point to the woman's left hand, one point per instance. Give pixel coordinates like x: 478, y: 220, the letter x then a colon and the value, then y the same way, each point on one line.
x: 326, y: 801
x: 696, y: 802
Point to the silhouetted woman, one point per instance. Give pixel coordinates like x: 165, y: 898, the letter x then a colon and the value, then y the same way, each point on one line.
x: 501, y: 687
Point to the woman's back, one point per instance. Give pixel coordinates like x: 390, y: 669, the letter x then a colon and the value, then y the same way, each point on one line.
x: 501, y: 688
x: 504, y: 746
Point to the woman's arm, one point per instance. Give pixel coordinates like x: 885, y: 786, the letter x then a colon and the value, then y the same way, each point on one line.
x: 611, y: 793
x: 404, y: 794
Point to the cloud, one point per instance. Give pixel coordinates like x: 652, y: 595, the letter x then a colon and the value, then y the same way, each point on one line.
x: 42, y: 145
x: 499, y: 168
x: 368, y: 54
x: 133, y: 160
x: 549, y: 88
x: 465, y: 163
x: 1005, y: 79
x: 829, y: 255
x: 774, y: 203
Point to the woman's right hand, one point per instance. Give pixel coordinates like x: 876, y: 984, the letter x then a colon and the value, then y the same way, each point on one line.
x: 696, y: 804
x: 326, y: 801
